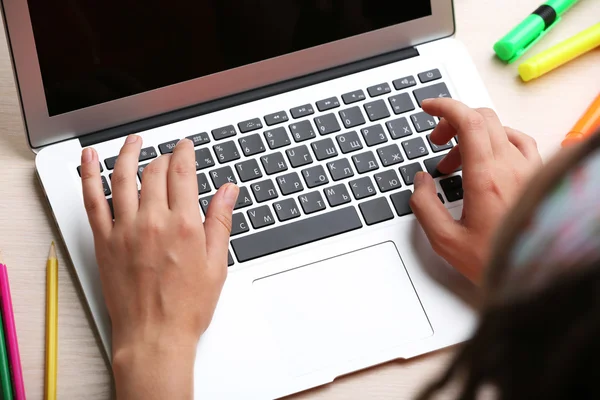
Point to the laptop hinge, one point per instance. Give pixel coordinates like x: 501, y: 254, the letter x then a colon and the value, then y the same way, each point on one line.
x: 246, y: 97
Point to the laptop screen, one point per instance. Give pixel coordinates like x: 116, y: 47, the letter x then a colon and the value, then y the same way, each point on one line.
x: 91, y: 52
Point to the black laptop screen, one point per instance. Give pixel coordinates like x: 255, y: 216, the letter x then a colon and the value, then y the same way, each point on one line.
x: 94, y: 51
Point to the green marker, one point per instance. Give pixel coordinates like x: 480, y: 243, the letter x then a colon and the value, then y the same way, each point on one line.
x: 532, y: 29
x: 5, y: 382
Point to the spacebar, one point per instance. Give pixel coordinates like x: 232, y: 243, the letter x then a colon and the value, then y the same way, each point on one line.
x: 296, y: 234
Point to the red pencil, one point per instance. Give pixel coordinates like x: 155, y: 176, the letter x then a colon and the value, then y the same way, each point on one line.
x: 12, y: 343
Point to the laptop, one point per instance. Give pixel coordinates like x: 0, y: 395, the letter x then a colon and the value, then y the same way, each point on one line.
x: 313, y: 109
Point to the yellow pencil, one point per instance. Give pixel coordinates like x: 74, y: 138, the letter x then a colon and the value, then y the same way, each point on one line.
x: 51, y: 323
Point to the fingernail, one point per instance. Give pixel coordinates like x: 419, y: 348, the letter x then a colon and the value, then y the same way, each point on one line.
x: 87, y: 155
x: 426, y: 101
x: 231, y: 195
x: 419, y: 178
x: 131, y: 139
x: 183, y: 142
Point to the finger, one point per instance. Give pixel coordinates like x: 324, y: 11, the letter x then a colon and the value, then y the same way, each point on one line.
x: 217, y: 225
x: 182, y: 181
x: 124, y: 182
x: 443, y: 132
x: 95, y: 203
x: 470, y: 126
x: 451, y: 162
x: 495, y: 130
x: 435, y: 219
x: 154, y: 183
x: 525, y: 143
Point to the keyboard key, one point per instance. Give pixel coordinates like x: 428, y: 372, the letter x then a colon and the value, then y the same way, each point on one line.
x: 376, y: 211
x: 147, y: 154
x: 277, y: 138
x: 423, y: 122
x: 401, y: 202
x: 431, y: 166
x: 409, y: 171
x: 302, y: 111
x: 353, y: 97
x: 251, y: 145
x: 112, y: 208
x: 229, y: 259
x: 327, y: 124
x: 340, y: 169
x: 289, y: 183
x: 374, y: 135
x: 248, y: 170
x: 378, y: 90
x: 299, y: 156
x: 273, y: 163
x: 405, y: 82
x: 337, y: 195
x: 429, y: 76
x: 250, y: 125
x: 286, y: 209
x: 226, y: 152
x: 362, y: 188
x: 399, y: 128
x: 140, y: 170
x: 264, y: 191
x: 349, y: 142
x: 438, y: 90
x: 259, y: 218
x: 452, y: 188
x: 276, y: 118
x: 324, y: 149
x: 295, y: 234
x: 203, y: 186
x: 244, y: 199
x: 302, y: 131
x: 365, y: 162
x: 436, y: 148
x: 401, y: 103
x: 328, y: 104
x: 199, y: 139
x: 415, y: 148
x: 376, y: 110
x: 387, y: 180
x: 238, y: 224
x: 224, y: 132
x: 311, y: 202
x: 204, y: 159
x: 110, y: 164
x: 166, y: 148
x: 205, y: 202
x: 352, y: 117
x: 390, y: 155
x: 315, y: 176
x: 222, y: 176
x: 105, y: 186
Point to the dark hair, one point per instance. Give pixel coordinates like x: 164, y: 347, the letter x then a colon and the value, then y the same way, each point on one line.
x: 541, y: 345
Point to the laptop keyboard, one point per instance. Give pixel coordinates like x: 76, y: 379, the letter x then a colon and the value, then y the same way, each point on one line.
x: 367, y: 147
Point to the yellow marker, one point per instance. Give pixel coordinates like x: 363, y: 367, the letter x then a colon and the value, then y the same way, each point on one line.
x: 51, y: 323
x: 560, y: 54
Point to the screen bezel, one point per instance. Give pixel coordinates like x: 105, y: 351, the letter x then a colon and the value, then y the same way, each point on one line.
x: 43, y: 130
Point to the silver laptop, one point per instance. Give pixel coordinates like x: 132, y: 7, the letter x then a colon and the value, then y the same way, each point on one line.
x: 313, y: 109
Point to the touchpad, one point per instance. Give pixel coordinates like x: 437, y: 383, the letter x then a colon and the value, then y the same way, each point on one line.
x: 341, y: 308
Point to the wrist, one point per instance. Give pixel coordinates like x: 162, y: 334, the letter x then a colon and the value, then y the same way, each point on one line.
x: 154, y: 370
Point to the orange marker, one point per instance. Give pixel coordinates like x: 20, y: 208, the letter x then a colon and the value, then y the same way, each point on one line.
x: 587, y: 125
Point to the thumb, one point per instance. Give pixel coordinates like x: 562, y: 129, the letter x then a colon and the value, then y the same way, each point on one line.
x: 217, y: 225
x: 439, y: 226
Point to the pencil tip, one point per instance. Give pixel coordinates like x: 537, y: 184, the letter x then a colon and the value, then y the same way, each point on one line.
x: 52, y: 253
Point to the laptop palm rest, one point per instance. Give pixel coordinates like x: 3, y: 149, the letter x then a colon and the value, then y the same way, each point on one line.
x: 342, y: 308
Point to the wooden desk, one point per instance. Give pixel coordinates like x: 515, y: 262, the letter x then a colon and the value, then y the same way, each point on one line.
x: 546, y: 109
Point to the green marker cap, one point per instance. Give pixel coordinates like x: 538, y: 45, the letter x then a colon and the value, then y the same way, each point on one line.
x: 518, y: 41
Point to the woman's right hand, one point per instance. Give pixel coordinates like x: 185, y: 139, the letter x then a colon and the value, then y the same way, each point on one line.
x: 497, y: 162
